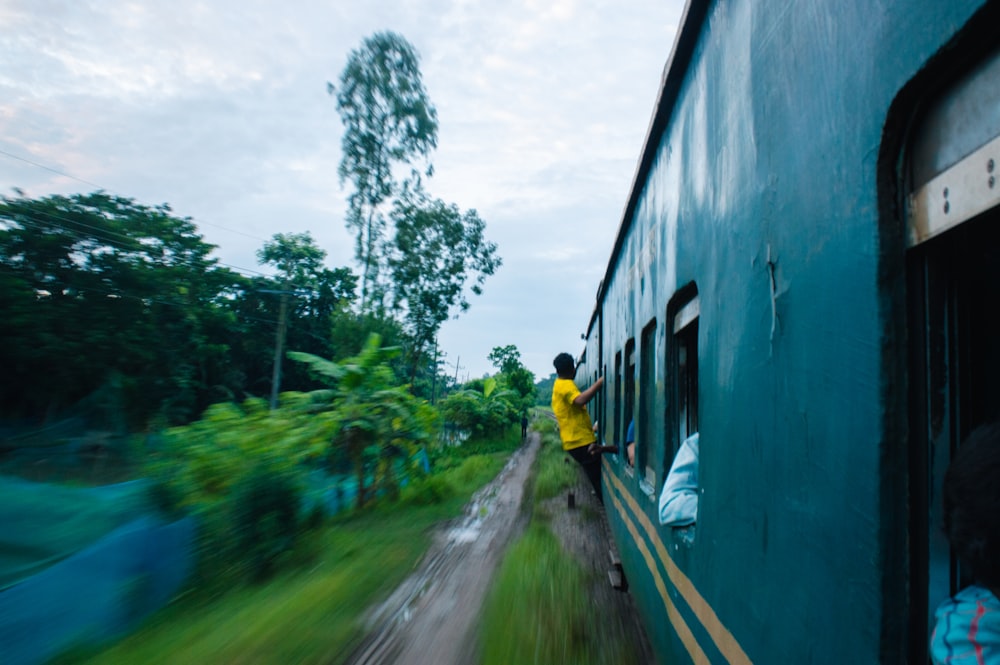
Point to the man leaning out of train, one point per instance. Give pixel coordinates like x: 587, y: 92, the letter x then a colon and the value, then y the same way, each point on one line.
x: 968, y: 623
x: 575, y: 429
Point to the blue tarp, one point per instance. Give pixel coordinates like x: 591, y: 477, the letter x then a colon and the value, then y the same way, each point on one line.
x: 96, y: 594
x: 43, y: 523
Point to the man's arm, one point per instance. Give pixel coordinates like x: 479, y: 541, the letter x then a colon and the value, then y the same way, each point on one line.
x: 589, y: 393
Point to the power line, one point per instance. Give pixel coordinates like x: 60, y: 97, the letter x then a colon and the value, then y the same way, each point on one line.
x: 104, y: 235
x: 48, y: 168
x: 92, y: 184
x: 146, y: 300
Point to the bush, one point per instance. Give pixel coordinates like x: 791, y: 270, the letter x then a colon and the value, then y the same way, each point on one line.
x: 428, y: 491
x: 265, y: 509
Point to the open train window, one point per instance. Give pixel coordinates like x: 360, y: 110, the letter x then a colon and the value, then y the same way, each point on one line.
x: 602, y: 412
x: 628, y: 398
x: 679, y: 497
x: 953, y: 285
x: 685, y: 366
x: 647, y: 394
x: 617, y: 405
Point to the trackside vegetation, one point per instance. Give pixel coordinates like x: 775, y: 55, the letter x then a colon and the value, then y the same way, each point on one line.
x: 539, y: 609
x: 311, y: 609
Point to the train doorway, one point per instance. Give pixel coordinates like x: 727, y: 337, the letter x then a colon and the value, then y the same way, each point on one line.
x: 953, y: 290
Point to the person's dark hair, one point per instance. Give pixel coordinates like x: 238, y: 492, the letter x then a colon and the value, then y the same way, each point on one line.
x: 564, y: 365
x: 971, y: 499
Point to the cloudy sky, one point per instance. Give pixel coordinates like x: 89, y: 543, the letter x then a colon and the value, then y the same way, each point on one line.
x: 220, y: 108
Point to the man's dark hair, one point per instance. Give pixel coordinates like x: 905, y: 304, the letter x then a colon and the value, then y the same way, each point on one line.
x: 971, y: 499
x: 564, y: 365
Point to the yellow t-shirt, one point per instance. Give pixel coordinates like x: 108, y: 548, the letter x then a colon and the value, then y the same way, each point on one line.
x: 575, y: 428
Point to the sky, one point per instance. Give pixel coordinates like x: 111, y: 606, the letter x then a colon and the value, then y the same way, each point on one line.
x: 220, y: 109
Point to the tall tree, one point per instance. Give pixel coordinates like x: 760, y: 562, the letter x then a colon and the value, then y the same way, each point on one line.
x: 505, y: 358
x: 296, y: 257
x: 388, y: 121
x: 436, y: 250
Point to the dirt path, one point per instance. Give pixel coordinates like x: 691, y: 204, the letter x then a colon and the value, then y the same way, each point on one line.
x: 431, y: 619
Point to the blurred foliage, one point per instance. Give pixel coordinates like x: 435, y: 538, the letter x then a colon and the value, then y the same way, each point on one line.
x: 486, y: 406
x: 537, y: 609
x: 552, y: 474
x: 481, y: 413
x: 119, y: 320
x: 242, y: 467
x: 101, y: 294
x: 377, y: 421
x: 311, y: 607
x: 540, y: 607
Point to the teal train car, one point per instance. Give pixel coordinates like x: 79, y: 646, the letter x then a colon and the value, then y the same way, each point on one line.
x: 806, y: 274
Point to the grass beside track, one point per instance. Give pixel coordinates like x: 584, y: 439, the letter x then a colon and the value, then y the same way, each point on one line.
x: 539, y: 609
x: 313, y: 612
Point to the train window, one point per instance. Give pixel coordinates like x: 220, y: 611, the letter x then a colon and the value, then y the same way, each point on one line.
x: 629, y: 378
x: 678, y: 503
x: 686, y: 369
x: 604, y: 404
x: 617, y: 402
x: 647, y: 394
x: 953, y: 280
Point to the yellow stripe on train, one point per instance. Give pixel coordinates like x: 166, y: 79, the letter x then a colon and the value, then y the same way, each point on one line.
x: 724, y: 640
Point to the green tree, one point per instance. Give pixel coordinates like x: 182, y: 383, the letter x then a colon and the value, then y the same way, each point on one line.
x: 296, y: 257
x: 513, y: 374
x: 522, y: 381
x: 436, y: 251
x: 505, y: 358
x: 111, y: 297
x: 483, y: 413
x: 388, y: 121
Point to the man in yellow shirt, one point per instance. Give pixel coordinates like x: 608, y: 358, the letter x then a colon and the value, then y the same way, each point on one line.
x: 575, y: 428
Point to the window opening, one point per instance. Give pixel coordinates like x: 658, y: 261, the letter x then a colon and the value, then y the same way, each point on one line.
x: 629, y: 396
x: 679, y: 497
x: 953, y: 285
x: 647, y: 395
x: 619, y: 433
x: 686, y: 369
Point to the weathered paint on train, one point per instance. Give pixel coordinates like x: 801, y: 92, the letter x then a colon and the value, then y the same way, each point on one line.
x: 766, y: 195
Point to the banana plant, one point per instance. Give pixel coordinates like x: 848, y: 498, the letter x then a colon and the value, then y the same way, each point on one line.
x: 378, y: 420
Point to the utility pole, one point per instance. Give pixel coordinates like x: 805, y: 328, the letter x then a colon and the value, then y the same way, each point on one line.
x: 457, y: 367
x: 279, y: 344
x: 434, y: 378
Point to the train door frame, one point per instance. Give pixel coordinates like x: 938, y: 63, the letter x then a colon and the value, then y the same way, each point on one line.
x: 933, y: 203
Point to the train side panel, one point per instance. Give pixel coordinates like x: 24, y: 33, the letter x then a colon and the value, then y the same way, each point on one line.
x: 760, y: 197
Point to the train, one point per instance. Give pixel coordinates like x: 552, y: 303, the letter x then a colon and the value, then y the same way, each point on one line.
x: 802, y: 276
